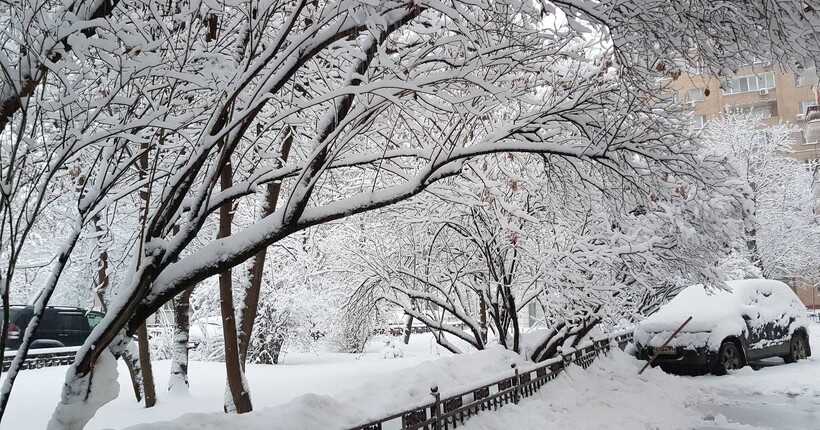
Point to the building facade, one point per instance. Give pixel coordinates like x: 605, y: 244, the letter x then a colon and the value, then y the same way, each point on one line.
x: 778, y: 96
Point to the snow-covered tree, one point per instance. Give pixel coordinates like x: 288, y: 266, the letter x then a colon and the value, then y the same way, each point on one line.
x: 384, y: 99
x: 521, y: 232
x: 784, y: 226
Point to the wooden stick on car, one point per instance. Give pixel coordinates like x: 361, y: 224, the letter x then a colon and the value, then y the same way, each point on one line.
x: 658, y: 350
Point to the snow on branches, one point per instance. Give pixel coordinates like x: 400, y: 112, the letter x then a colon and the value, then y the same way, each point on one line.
x: 154, y: 100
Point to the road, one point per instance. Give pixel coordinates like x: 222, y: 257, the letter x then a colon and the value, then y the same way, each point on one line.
x: 769, y: 395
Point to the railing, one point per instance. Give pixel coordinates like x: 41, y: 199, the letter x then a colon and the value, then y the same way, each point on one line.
x: 444, y: 413
x: 37, y: 359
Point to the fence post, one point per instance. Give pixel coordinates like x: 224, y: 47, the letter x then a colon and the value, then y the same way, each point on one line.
x: 436, y: 407
x: 516, y: 384
x: 565, y: 358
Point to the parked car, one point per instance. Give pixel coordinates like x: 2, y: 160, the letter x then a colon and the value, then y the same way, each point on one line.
x: 752, y: 320
x: 61, y: 326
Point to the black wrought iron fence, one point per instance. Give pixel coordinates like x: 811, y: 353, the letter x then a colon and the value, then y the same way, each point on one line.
x: 451, y: 411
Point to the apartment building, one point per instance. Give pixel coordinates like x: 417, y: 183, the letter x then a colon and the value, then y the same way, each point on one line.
x: 776, y: 95
x: 779, y: 97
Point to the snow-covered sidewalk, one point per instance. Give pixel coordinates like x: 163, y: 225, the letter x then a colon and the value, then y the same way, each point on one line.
x: 37, y: 391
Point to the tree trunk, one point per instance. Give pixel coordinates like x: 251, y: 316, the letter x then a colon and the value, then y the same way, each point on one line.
x: 145, y: 366
x: 408, y: 326
x: 240, y: 401
x: 102, y: 271
x: 482, y: 309
x: 178, y: 381
x: 751, y: 233
x: 133, y: 363
x: 514, y: 319
x: 251, y: 299
x: 142, y: 332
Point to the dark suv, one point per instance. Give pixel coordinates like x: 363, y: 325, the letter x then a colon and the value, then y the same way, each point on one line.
x: 61, y: 326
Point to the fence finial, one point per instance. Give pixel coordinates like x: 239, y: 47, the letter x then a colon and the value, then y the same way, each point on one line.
x: 435, y: 411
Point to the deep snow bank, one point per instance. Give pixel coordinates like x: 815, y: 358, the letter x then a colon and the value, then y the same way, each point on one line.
x: 393, y: 393
x: 608, y: 395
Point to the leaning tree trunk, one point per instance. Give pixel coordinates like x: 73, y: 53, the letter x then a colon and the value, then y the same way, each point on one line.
x: 239, y: 400
x: 178, y: 381
x: 251, y: 299
x: 408, y: 326
x: 129, y: 357
x: 132, y: 361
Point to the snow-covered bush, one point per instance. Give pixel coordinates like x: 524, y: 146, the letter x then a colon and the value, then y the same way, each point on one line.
x: 391, y: 351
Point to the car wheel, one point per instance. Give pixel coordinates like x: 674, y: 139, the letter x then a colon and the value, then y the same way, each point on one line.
x: 729, y: 358
x: 797, y: 349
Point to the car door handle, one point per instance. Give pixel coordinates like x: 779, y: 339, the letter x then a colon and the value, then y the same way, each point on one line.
x: 62, y: 334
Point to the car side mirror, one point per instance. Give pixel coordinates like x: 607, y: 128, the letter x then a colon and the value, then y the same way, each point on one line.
x: 749, y: 312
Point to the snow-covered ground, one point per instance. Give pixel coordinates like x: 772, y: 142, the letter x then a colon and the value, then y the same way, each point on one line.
x: 349, y: 389
x: 36, y: 392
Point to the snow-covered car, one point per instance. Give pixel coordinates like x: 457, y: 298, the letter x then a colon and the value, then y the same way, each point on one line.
x: 752, y: 319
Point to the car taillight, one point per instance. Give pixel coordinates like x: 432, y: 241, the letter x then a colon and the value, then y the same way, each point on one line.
x: 14, y: 331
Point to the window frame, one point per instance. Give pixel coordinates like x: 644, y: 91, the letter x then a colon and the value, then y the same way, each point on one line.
x: 743, y: 84
x: 700, y: 95
x: 699, y: 120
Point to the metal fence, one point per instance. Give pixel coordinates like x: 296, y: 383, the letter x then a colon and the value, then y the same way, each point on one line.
x: 40, y: 359
x: 451, y: 411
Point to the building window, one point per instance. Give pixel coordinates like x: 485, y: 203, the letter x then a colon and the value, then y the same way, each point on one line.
x: 745, y: 84
x: 760, y: 111
x: 698, y: 122
x: 764, y: 111
x: 804, y: 78
x: 802, y: 106
x: 760, y: 60
x: 696, y: 95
